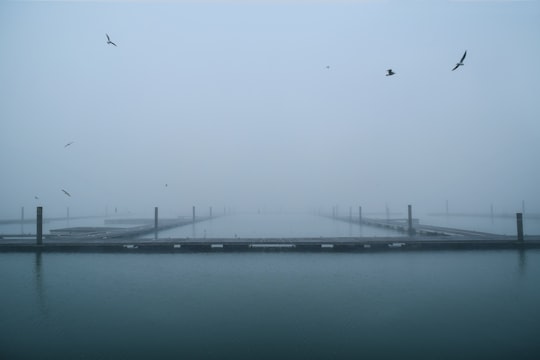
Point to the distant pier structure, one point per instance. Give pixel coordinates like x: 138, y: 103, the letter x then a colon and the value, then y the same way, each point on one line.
x: 420, y: 237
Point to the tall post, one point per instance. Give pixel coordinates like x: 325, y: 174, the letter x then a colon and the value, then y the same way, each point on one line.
x: 411, y: 229
x: 22, y: 220
x: 39, y: 225
x: 523, y: 206
x: 210, y: 212
x: 350, y: 213
x: 155, y: 222
x: 193, y: 211
x: 360, y: 214
x: 519, y: 220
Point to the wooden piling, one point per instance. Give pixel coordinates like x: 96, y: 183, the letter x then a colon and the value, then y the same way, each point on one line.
x: 519, y: 220
x: 411, y: 229
x: 39, y: 225
x: 155, y: 222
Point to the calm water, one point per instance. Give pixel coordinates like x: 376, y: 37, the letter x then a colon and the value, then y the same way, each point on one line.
x: 274, y: 225
x: 417, y: 305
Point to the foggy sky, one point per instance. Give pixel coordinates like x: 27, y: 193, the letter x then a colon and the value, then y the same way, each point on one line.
x: 231, y: 104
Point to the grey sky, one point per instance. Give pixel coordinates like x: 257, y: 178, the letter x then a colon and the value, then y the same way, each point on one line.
x: 231, y: 104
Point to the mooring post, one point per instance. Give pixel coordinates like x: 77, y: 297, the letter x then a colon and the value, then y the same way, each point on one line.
x: 519, y: 219
x: 360, y: 214
x: 155, y: 221
x: 411, y: 229
x: 22, y: 220
x: 39, y: 225
x: 193, y: 210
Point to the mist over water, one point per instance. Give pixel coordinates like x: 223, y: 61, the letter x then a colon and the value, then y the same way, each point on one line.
x: 444, y: 305
x: 274, y: 225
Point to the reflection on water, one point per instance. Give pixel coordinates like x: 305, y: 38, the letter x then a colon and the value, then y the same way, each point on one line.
x: 444, y: 304
x: 40, y: 291
x: 274, y: 225
x: 522, y: 261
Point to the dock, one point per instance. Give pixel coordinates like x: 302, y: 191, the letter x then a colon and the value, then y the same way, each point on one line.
x: 342, y: 244
x: 130, y: 239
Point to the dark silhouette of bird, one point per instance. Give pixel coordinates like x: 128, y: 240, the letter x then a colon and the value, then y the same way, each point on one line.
x: 69, y: 143
x: 65, y: 192
x: 109, y: 40
x: 328, y: 66
x: 460, y: 63
x: 389, y: 72
x: 36, y: 197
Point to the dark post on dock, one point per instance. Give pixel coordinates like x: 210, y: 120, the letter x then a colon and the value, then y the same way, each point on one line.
x: 411, y: 229
x: 360, y: 214
x: 155, y: 221
x: 39, y: 225
x: 193, y: 210
x: 519, y: 220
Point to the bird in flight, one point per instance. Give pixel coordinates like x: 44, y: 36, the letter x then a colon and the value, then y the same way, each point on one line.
x: 65, y: 192
x: 36, y: 197
x: 389, y: 72
x: 460, y: 63
x: 328, y: 66
x: 69, y: 143
x: 109, y: 40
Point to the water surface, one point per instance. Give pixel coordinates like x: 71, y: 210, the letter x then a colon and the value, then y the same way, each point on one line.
x: 427, y: 305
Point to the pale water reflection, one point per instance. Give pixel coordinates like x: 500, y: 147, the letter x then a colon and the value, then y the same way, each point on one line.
x: 274, y: 225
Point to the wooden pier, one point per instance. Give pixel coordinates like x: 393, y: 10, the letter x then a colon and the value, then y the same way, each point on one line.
x: 131, y: 240
x: 345, y: 244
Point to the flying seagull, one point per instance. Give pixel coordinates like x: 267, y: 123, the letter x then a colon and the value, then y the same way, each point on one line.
x: 69, y: 143
x: 65, y: 192
x: 389, y: 72
x: 109, y: 40
x: 460, y: 63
